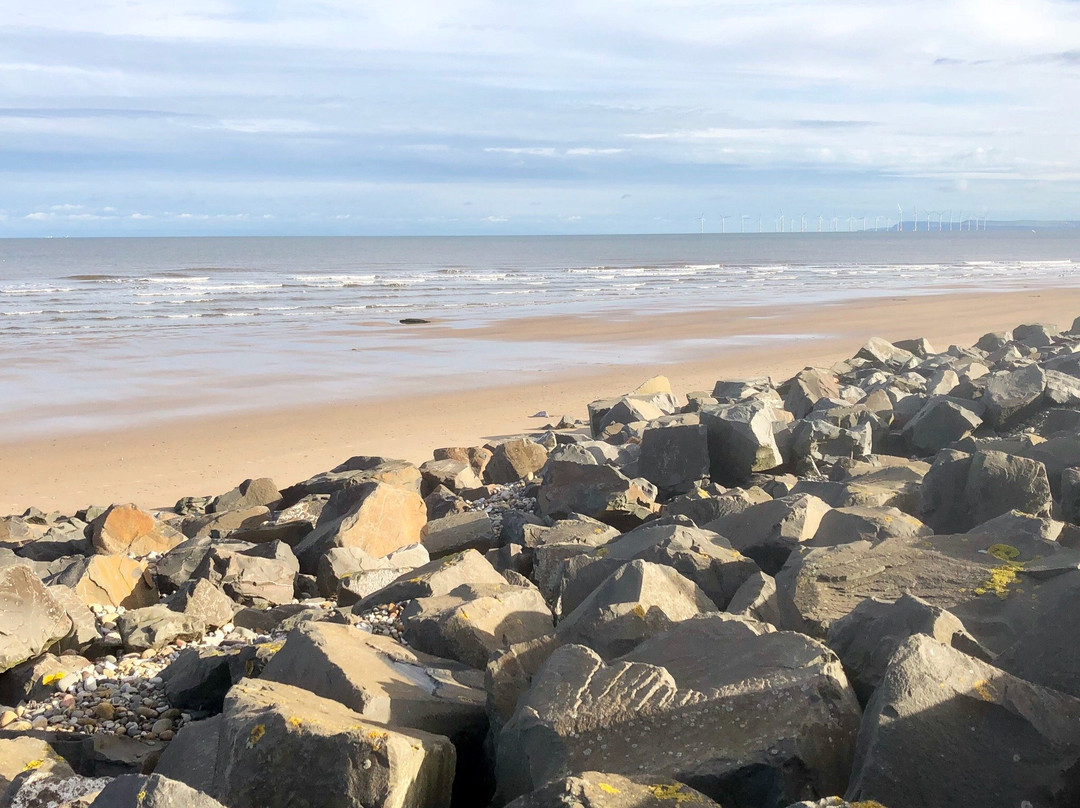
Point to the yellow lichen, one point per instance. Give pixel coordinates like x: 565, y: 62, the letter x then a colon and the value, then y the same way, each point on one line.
x: 293, y: 721
x: 999, y: 579
x: 464, y: 614
x: 985, y: 690
x: 607, y: 788
x: 256, y: 735
x: 639, y: 610
x: 1003, y: 552
x: 867, y: 804
x: 55, y: 676
x: 603, y: 552
x: 33, y: 764
x: 670, y: 791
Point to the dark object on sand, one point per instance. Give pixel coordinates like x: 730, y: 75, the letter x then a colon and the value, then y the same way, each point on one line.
x: 413, y: 321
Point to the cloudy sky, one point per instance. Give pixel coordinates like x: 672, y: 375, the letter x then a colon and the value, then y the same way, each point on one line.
x: 485, y: 116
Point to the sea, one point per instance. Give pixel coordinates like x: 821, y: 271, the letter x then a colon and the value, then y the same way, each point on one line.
x: 99, y: 333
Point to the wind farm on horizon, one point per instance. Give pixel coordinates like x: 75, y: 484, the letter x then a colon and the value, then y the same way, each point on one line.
x: 927, y: 221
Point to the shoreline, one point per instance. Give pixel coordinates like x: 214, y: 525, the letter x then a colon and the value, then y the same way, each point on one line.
x: 154, y: 465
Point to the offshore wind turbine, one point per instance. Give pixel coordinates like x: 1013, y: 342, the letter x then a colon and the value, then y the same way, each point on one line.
x: 723, y: 223
x: 819, y: 218
x: 803, y: 223
x: 742, y: 222
x: 899, y: 218
x: 877, y: 223
x: 864, y: 224
x: 782, y: 220
x: 915, y: 220
x: 702, y: 217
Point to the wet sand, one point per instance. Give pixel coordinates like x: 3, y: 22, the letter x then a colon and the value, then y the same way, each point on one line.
x: 155, y: 465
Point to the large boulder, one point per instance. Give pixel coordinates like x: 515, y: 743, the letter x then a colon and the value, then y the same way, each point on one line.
x: 474, y: 621
x: 638, y: 600
x: 199, y: 678
x: 282, y: 746
x: 249, y: 493
x: 603, y: 790
x: 342, y: 563
x: 374, y: 516
x: 702, y: 556
x: 674, y: 458
x: 994, y: 586
x: 354, y: 471
x: 32, y: 618
x: 1048, y: 653
x: 711, y: 703
x: 203, y: 601
x: 126, y: 529
x: 438, y: 577
x: 807, y: 388
x: 472, y: 530
x: 257, y: 574
x: 157, y: 626
x: 514, y: 460
x: 768, y: 532
x: 961, y: 491
x: 940, y: 422
x: 392, y: 684
x: 883, y: 354
x: 1012, y: 394
x: 945, y: 729
x: 109, y: 580
x: 742, y: 439
x: 601, y: 492
x: 151, y: 791
x: 22, y: 754
x: 866, y: 638
x: 843, y: 525
x: 224, y: 523
x: 456, y: 475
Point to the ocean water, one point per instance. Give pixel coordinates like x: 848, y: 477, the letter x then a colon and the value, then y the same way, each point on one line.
x: 99, y: 332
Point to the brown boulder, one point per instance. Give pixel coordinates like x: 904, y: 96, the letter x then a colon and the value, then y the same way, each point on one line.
x: 126, y: 529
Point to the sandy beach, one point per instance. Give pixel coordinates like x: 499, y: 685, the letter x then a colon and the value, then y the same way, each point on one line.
x: 154, y: 466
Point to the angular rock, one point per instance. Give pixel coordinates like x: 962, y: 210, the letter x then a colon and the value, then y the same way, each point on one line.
x: 153, y: 791
x: 733, y: 704
x: 204, y: 602
x: 674, y: 458
x: 756, y: 599
x: 473, y: 622
x: 83, y: 624
x: 940, y: 422
x: 815, y: 442
x: 638, y: 600
x: 1036, y: 335
x: 157, y: 626
x: 277, y: 741
x: 32, y: 618
x: 248, y: 494
x: 994, y: 340
x: 35, y: 679
x: 869, y: 635
x: 456, y: 475
x: 389, y: 683
x: 742, y: 439
x: 704, y: 557
x: 126, y: 529
x: 600, y: 492
x: 884, y: 354
x: 256, y: 574
x: 473, y: 530
x: 514, y: 460
x: 192, y: 755
x: 179, y: 564
x: 112, y: 580
x: 22, y: 754
x: 439, y: 577
x: 768, y: 532
x: 807, y: 388
x: 992, y: 584
x: 842, y: 525
x: 341, y: 563
x: 961, y: 491
x: 223, y: 523
x: 199, y: 678
x: 354, y: 471
x: 1012, y: 394
x: 376, y: 517
x: 601, y: 790
x: 945, y: 729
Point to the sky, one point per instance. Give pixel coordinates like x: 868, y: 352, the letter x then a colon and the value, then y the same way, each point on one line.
x: 431, y: 117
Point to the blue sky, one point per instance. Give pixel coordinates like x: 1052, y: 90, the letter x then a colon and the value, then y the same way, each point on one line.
x: 433, y: 117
